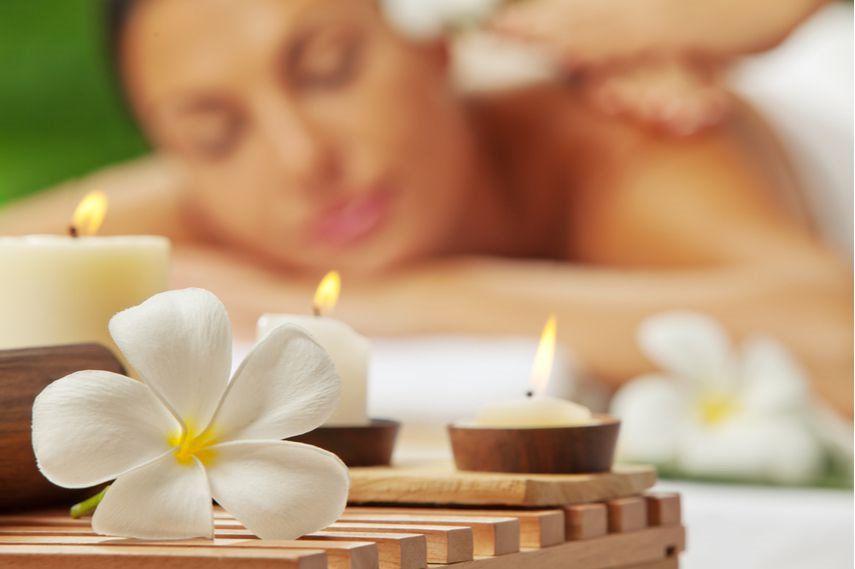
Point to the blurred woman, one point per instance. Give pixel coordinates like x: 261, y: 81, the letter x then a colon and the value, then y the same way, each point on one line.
x: 296, y: 137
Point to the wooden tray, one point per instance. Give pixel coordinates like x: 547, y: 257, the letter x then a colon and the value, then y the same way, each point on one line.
x: 443, y: 484
x: 609, y: 535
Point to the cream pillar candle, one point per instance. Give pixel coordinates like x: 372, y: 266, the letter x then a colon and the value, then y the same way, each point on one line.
x: 349, y: 350
x: 61, y: 289
x: 536, y: 410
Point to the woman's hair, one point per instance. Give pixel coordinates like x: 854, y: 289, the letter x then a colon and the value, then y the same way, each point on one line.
x: 116, y: 13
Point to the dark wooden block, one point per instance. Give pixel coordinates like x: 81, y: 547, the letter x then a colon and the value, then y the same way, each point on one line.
x: 23, y: 375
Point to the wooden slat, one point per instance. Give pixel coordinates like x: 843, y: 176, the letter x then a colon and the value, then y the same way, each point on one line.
x: 668, y: 563
x: 445, y: 544
x: 586, y: 521
x: 663, y: 509
x: 45, y: 530
x: 445, y: 485
x: 340, y: 555
x: 396, y: 550
x: 345, y: 554
x: 538, y: 528
x: 492, y: 536
x: 46, y: 518
x: 146, y: 557
x: 613, y: 551
x: 627, y: 514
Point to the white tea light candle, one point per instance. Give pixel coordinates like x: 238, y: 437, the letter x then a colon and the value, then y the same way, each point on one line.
x: 536, y: 409
x: 64, y: 289
x: 349, y: 350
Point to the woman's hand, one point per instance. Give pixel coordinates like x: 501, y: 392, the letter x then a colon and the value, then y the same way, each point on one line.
x: 620, y: 52
x: 671, y: 95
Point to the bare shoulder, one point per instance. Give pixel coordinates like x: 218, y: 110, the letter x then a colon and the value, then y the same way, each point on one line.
x: 636, y: 197
x: 145, y: 196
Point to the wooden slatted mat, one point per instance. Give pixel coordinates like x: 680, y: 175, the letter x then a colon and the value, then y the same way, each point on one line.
x: 612, y: 534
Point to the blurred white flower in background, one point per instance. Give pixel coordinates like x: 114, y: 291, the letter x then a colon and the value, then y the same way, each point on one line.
x: 716, y: 410
x: 429, y: 18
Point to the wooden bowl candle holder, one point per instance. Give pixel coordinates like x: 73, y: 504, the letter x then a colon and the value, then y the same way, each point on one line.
x: 23, y: 375
x: 360, y: 445
x: 574, y: 449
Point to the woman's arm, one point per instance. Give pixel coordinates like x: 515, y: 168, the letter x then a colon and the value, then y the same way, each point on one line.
x: 144, y: 197
x: 583, y: 33
x: 807, y: 307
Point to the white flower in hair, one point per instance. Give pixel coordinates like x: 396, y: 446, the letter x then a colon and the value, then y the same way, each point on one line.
x: 186, y: 434
x: 717, y: 411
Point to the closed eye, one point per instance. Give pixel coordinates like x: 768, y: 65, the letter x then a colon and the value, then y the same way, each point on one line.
x: 326, y: 57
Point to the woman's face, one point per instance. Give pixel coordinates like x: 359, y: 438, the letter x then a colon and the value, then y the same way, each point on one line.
x: 311, y: 133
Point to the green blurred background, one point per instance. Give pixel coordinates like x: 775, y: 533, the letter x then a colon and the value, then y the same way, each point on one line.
x: 61, y: 114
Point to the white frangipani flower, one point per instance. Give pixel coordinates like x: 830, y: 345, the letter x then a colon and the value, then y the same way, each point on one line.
x: 715, y: 411
x: 186, y: 433
x: 423, y: 20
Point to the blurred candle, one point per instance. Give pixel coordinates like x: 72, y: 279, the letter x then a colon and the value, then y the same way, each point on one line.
x: 349, y: 350
x: 64, y: 289
x: 536, y: 409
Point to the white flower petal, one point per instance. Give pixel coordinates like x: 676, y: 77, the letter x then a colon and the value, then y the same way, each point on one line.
x: 689, y: 345
x: 772, y: 382
x: 91, y: 426
x: 163, y: 499
x: 278, y: 489
x: 286, y: 386
x: 760, y: 448
x: 652, y: 410
x: 180, y: 342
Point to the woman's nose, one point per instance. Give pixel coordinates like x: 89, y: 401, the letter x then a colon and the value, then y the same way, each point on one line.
x: 300, y: 150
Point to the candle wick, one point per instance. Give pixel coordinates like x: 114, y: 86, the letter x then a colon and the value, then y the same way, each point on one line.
x: 316, y: 310
x: 529, y: 393
x: 72, y: 230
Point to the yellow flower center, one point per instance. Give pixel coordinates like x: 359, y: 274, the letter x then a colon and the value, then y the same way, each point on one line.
x: 713, y: 409
x: 189, y: 444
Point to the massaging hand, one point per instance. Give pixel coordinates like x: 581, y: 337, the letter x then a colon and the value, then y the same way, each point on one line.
x: 677, y: 97
x: 627, y: 66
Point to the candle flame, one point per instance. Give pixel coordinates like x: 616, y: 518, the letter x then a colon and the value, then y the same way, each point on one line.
x: 327, y: 293
x: 544, y: 356
x: 89, y: 214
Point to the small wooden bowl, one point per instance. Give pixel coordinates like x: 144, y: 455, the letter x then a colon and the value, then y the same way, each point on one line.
x: 544, y: 450
x: 363, y: 445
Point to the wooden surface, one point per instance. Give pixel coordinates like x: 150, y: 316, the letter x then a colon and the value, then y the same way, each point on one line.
x: 399, y: 538
x: 445, y: 544
x: 548, y: 450
x: 491, y: 536
x: 23, y: 375
x: 340, y: 554
x: 538, y: 528
x: 445, y: 485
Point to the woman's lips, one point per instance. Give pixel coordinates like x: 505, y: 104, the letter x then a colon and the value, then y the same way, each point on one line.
x: 351, y: 220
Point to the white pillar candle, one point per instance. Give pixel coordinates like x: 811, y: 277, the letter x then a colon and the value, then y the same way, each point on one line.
x: 536, y: 409
x: 349, y: 351
x: 62, y: 290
